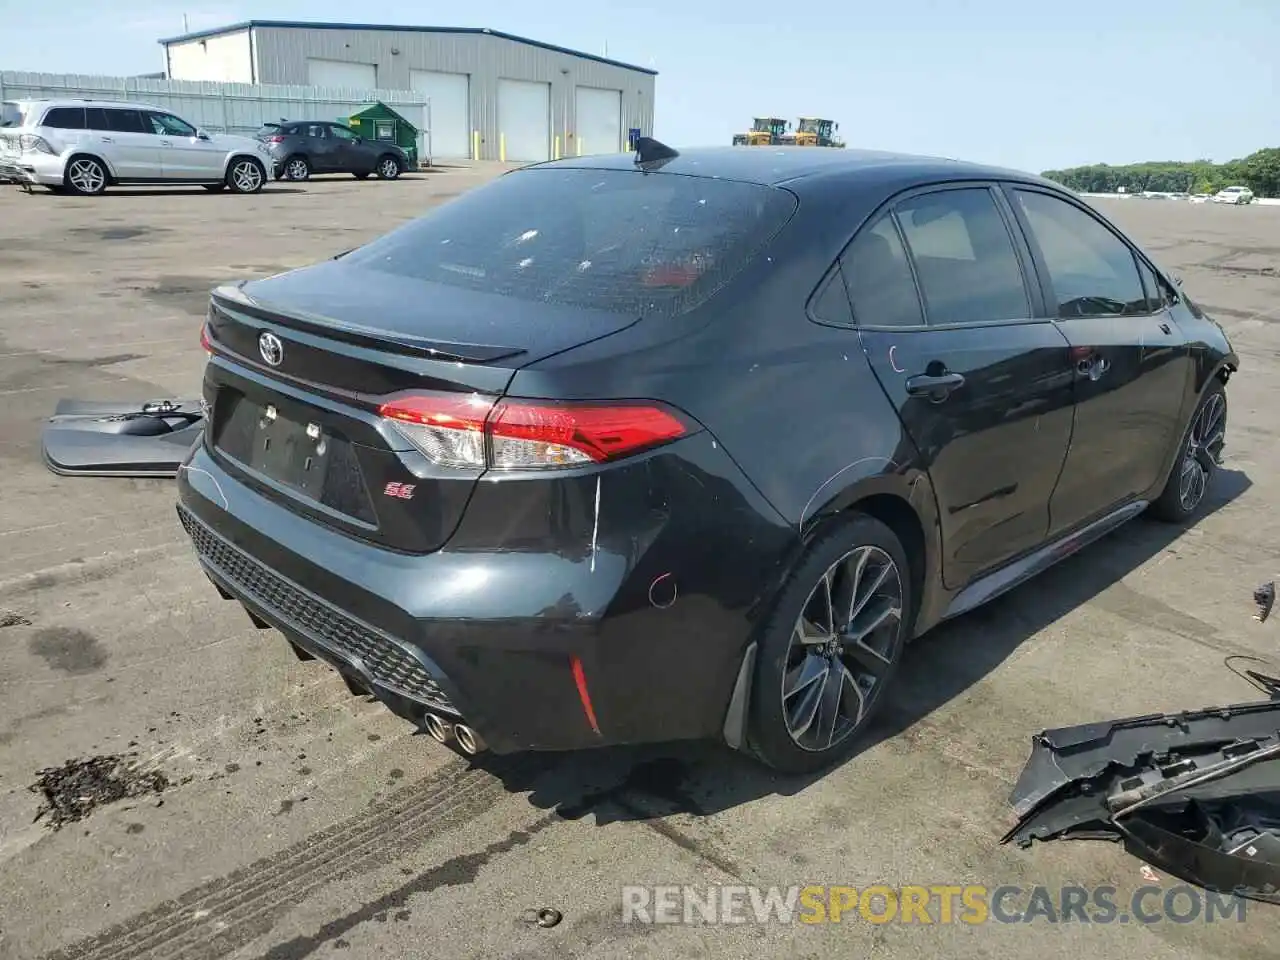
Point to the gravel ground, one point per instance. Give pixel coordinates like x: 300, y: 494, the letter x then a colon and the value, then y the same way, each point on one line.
x: 297, y: 820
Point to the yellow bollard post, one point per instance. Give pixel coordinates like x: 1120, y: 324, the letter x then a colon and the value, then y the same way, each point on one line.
x: 475, y: 144
x: 579, y: 146
x: 502, y: 147
x: 557, y: 153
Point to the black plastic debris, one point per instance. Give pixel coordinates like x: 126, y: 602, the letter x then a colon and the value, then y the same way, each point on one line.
x: 74, y: 790
x: 543, y: 917
x: 1265, y: 598
x: 1196, y: 794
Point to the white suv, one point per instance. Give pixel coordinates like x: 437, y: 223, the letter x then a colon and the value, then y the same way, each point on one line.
x: 1234, y: 195
x: 87, y: 145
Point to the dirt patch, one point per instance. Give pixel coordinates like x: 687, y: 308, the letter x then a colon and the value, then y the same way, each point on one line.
x: 10, y: 619
x: 71, y: 651
x: 74, y: 790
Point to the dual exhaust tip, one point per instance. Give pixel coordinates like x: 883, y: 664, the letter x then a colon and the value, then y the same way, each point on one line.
x: 469, y: 742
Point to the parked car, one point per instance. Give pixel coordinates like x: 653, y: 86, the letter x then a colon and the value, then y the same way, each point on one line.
x: 85, y: 146
x: 612, y: 451
x: 301, y: 148
x: 1234, y: 195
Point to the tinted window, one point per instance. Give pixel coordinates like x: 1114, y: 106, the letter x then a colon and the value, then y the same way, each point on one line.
x: 13, y: 114
x: 167, y: 125
x: 64, y: 118
x: 95, y: 118
x: 878, y: 276
x: 126, y: 121
x: 831, y: 305
x: 964, y: 257
x: 342, y: 133
x: 1092, y: 271
x: 315, y: 130
x: 1151, y: 285
x: 616, y: 240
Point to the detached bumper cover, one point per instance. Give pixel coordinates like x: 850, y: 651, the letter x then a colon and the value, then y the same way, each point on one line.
x: 1196, y: 793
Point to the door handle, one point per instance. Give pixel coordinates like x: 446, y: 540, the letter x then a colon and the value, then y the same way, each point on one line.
x: 166, y: 143
x: 108, y: 140
x: 1165, y: 328
x: 937, y: 386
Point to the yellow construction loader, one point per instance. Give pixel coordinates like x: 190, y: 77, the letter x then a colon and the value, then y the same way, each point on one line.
x: 814, y: 132
x: 764, y: 132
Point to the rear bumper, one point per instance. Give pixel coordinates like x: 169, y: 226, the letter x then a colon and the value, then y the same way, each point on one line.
x: 35, y: 168
x: 654, y: 620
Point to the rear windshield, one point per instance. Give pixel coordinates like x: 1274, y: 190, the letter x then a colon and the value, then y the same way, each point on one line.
x: 617, y: 240
x: 12, y: 114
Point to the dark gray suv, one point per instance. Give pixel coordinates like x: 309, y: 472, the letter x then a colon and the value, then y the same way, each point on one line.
x: 300, y: 148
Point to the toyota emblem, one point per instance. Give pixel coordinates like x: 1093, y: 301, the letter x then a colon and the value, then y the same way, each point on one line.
x: 271, y: 348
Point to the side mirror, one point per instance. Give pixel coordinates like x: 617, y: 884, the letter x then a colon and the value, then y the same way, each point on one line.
x: 201, y: 135
x: 359, y: 139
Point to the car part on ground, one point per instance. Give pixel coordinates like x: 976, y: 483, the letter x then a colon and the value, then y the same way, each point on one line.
x: 1265, y: 598
x: 88, y: 438
x: 562, y: 463
x: 1194, y: 793
x: 86, y: 146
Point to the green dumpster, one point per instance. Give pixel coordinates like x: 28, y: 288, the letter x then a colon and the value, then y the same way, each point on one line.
x: 379, y: 122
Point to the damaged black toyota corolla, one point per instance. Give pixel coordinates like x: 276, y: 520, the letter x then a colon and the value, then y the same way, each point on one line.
x: 622, y: 449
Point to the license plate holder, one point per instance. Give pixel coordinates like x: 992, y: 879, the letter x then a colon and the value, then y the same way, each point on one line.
x: 290, y: 452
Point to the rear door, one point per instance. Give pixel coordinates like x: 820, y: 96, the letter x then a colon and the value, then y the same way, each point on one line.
x: 131, y: 145
x: 323, y: 152
x: 1130, y: 361
x: 982, y: 382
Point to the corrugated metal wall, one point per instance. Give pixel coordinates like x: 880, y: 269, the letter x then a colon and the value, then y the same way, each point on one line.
x: 237, y: 108
x: 281, y: 57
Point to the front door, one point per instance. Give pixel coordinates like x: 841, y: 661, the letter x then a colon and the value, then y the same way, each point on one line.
x: 184, y: 155
x: 323, y: 152
x: 949, y: 323
x: 355, y: 155
x: 1130, y: 360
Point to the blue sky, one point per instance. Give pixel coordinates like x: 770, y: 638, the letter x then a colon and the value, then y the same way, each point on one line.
x: 1027, y: 84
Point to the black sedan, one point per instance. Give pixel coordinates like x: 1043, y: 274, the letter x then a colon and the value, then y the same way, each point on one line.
x: 301, y: 148
x: 690, y: 445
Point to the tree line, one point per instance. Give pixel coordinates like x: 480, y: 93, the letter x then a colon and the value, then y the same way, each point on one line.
x: 1259, y: 171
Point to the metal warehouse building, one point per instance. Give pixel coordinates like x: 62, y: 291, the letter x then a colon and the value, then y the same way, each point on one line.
x: 492, y: 95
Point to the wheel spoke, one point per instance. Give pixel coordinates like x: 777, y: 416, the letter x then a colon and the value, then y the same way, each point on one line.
x: 829, y: 595
x: 808, y: 696
x: 828, y: 713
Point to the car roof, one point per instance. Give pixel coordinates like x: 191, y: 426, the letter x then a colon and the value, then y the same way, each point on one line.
x: 777, y: 166
x: 74, y: 102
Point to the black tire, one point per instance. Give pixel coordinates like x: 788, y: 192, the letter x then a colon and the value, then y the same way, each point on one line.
x: 245, y: 175
x: 771, y: 724
x: 388, y: 167
x: 86, y: 175
x: 361, y: 176
x: 215, y: 187
x: 296, y: 168
x: 1198, y: 458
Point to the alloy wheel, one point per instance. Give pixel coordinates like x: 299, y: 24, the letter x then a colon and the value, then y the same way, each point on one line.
x: 844, y: 644
x: 296, y: 170
x: 87, y: 176
x: 1204, y: 451
x: 246, y: 176
x: 389, y: 169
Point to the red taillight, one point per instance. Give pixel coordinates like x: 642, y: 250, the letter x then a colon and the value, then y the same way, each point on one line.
x: 275, y: 139
x: 474, y: 431
x: 205, y: 343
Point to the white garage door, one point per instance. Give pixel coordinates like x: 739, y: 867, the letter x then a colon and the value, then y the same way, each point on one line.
x: 450, y: 97
x: 599, y: 115
x: 524, y: 118
x: 339, y: 75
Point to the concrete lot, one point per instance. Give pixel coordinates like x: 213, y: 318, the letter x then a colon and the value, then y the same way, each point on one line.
x: 307, y: 821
